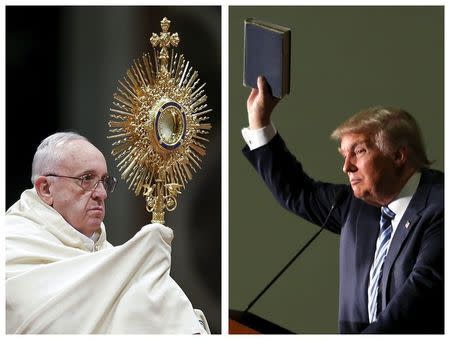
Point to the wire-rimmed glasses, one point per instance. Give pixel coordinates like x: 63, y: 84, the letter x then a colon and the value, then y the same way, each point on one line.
x: 89, y: 182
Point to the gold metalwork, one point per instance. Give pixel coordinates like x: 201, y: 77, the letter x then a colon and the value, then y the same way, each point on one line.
x: 159, y: 121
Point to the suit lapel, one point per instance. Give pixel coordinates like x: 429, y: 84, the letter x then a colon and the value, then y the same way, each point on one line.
x: 366, y: 238
x: 407, y: 223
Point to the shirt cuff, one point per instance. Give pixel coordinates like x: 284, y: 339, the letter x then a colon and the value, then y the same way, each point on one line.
x: 259, y: 137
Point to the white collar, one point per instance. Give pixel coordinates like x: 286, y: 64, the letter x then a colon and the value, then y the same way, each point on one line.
x: 401, y: 202
x: 405, y: 194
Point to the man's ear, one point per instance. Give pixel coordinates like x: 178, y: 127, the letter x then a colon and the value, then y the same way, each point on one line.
x: 401, y: 156
x: 42, y: 186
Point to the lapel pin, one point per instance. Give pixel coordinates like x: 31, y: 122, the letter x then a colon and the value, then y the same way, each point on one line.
x: 407, y: 224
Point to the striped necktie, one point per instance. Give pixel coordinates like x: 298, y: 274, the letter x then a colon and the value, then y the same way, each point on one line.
x: 384, y: 240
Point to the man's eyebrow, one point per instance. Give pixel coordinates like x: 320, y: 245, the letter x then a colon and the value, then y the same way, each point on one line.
x: 353, y: 146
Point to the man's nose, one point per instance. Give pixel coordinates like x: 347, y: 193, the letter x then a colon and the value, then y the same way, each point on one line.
x: 348, y: 166
x: 99, y: 191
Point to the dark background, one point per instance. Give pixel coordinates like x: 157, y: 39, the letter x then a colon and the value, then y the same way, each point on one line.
x: 344, y: 59
x: 62, y: 67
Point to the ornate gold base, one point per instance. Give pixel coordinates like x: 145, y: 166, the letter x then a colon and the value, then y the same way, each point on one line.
x: 158, y: 217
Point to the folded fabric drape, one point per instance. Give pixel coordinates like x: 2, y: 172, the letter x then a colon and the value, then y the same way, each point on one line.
x: 54, y: 284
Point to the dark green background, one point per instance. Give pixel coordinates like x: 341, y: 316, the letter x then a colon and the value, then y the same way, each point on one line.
x: 343, y: 59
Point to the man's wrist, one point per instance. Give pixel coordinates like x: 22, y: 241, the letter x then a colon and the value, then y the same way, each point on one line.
x: 255, y: 125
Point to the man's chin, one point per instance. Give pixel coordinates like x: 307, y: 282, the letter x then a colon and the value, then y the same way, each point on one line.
x: 362, y: 196
x: 93, y: 226
x: 357, y: 193
x: 367, y: 198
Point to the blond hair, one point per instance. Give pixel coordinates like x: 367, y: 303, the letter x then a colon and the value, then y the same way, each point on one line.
x: 389, y: 129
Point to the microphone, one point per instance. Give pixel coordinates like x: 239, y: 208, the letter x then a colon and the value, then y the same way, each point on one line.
x: 337, y: 201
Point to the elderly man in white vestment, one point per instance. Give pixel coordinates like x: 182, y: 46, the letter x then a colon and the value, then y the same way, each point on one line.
x: 62, y: 275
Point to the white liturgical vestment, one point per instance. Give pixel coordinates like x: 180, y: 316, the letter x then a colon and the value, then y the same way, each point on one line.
x: 56, y: 284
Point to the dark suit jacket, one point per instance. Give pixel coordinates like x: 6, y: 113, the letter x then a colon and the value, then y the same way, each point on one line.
x: 413, y: 275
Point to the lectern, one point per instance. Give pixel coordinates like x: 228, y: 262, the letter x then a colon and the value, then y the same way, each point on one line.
x: 249, y: 323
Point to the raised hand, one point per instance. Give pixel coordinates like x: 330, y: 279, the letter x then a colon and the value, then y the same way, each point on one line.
x: 260, y: 105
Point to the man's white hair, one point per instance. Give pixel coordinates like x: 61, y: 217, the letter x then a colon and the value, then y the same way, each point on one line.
x: 48, y: 153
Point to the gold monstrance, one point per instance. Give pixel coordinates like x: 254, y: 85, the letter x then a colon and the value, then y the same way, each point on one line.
x: 159, y: 122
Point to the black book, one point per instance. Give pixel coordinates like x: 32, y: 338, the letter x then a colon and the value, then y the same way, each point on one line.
x: 267, y: 52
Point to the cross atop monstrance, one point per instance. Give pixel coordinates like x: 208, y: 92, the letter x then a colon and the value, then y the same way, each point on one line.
x: 164, y: 40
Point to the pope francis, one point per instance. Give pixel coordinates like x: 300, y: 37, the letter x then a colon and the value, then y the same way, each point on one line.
x: 62, y: 275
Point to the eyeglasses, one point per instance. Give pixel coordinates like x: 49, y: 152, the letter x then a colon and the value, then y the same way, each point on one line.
x: 89, y: 182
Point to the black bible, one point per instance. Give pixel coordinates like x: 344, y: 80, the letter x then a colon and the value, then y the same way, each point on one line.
x: 267, y: 52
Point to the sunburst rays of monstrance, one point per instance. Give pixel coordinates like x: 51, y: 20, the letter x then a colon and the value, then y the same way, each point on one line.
x: 159, y: 123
